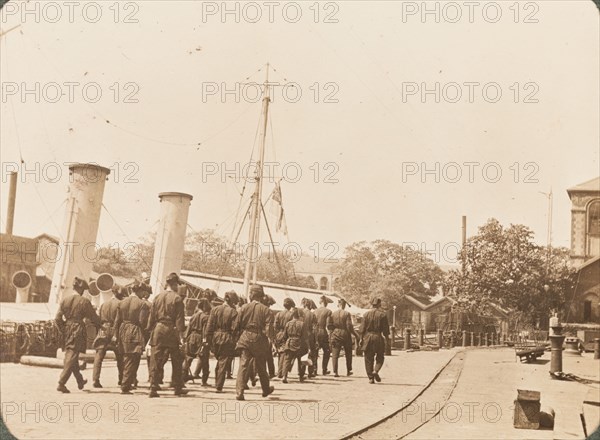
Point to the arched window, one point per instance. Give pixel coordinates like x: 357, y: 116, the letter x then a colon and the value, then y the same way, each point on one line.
x: 324, y: 284
x: 591, y: 310
x: 594, y: 218
x: 593, y: 228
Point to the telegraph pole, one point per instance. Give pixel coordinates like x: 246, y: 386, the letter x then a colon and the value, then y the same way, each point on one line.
x: 549, y: 229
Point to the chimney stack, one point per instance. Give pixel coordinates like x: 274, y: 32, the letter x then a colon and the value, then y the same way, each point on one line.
x: 80, y: 228
x: 170, y: 238
x: 464, y: 242
x: 12, y: 198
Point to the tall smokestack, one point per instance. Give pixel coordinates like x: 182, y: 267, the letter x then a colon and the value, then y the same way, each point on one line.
x: 170, y: 239
x: 464, y: 242
x: 12, y: 198
x: 80, y: 228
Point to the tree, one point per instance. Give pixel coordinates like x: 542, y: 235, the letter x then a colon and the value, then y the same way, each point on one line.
x: 388, y: 270
x: 208, y: 252
x: 503, y: 266
x: 304, y: 281
x: 113, y: 261
x: 129, y: 260
x: 205, y: 252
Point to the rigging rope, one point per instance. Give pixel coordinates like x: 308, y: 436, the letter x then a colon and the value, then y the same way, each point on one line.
x: 281, y: 270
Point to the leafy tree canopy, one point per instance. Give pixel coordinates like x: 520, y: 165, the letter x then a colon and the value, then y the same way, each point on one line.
x: 206, y: 252
x: 388, y: 270
x: 504, y: 266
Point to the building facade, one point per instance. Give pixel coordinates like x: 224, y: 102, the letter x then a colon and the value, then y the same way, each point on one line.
x: 585, y: 251
x: 17, y: 254
x: 585, y: 221
x: 321, y: 271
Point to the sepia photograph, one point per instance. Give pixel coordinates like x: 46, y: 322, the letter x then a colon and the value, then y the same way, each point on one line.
x: 311, y: 219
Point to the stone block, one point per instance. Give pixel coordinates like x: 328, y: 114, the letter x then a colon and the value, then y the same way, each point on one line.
x: 528, y: 395
x: 527, y: 410
x: 547, y: 415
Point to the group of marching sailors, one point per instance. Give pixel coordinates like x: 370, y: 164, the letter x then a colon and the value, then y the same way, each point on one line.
x: 250, y: 330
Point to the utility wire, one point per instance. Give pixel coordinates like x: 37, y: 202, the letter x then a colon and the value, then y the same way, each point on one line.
x: 125, y: 235
x: 133, y: 133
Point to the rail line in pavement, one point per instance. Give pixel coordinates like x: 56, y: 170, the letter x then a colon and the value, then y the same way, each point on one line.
x: 413, y: 414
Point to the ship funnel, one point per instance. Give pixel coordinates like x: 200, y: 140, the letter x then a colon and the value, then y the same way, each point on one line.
x: 170, y: 239
x: 80, y: 229
x: 22, y: 282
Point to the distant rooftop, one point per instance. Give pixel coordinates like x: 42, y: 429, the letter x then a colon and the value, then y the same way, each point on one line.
x: 48, y: 236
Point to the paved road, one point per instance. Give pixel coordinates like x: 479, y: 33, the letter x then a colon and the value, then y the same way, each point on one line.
x: 325, y: 407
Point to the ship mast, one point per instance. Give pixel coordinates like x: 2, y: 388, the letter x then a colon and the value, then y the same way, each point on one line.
x: 256, y: 210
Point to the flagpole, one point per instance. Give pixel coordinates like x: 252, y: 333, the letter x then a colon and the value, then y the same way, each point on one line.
x: 251, y: 263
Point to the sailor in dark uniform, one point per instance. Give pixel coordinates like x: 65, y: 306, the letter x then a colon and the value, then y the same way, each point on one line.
x: 146, y: 290
x: 69, y: 319
x: 130, y: 327
x: 342, y: 330
x: 310, y: 322
x: 323, y: 315
x: 196, y: 343
x: 221, y: 336
x: 268, y: 301
x: 106, y: 337
x: 281, y: 319
x: 167, y: 324
x: 253, y: 322
x: 374, y: 332
x: 295, y: 346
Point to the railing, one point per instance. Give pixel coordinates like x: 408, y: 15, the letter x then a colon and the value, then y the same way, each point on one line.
x: 40, y: 338
x: 446, y: 339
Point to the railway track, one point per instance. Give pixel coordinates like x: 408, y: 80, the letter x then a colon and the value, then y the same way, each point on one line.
x: 420, y: 410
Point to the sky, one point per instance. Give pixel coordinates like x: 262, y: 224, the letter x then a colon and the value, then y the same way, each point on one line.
x: 388, y: 121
